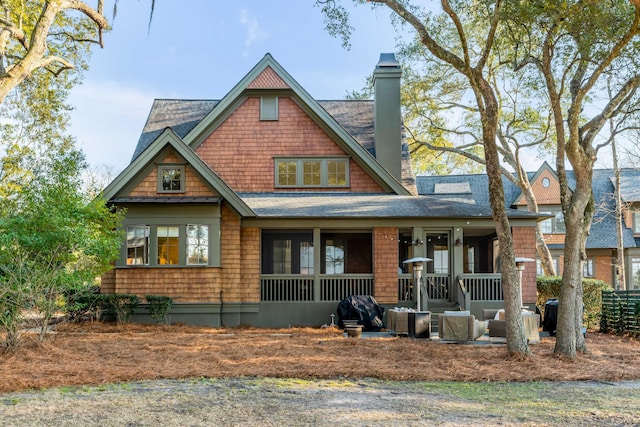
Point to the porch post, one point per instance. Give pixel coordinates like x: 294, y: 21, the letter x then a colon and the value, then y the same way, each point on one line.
x: 317, y: 264
x: 418, y: 263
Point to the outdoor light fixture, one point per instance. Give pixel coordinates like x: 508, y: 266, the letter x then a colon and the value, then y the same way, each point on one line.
x: 458, y: 242
x: 418, y: 242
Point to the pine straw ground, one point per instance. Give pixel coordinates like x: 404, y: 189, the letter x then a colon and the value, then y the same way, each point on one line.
x: 102, y: 353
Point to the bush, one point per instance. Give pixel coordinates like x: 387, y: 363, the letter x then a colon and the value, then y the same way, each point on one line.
x: 159, y: 306
x: 81, y: 302
x: 549, y: 287
x: 118, y: 305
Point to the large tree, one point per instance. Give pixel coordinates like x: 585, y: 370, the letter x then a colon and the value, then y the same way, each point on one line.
x: 45, y: 35
x: 577, y: 48
x: 445, y: 134
x: 466, y: 56
x: 53, y: 240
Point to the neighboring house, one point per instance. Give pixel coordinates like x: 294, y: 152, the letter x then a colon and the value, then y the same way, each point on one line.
x: 268, y: 207
x: 601, y: 245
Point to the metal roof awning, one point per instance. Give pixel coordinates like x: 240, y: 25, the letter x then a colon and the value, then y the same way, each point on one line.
x: 167, y: 200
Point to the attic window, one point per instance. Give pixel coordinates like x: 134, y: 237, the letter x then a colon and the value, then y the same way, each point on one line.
x: 268, y: 108
x: 170, y: 179
x: 312, y: 172
x: 452, y: 188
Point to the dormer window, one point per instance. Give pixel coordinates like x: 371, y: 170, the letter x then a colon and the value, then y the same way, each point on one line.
x: 170, y: 179
x: 312, y: 172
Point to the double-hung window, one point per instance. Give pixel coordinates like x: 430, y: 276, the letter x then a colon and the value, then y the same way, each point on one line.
x: 138, y: 245
x: 197, y: 244
x: 636, y: 222
x: 587, y: 268
x: 168, y: 245
x: 311, y: 172
x: 554, y: 225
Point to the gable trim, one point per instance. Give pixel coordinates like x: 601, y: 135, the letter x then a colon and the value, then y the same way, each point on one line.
x: 544, y: 167
x: 169, y: 138
x: 242, y: 90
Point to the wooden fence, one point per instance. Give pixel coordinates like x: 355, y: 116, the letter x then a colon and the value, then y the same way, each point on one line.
x: 621, y: 312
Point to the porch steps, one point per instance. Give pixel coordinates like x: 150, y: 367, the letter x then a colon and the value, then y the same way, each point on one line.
x: 436, y: 309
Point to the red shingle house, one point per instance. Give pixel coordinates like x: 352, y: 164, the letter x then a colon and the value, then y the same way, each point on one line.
x: 268, y: 207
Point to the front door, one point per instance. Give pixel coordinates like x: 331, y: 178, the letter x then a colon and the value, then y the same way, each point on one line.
x: 437, y: 279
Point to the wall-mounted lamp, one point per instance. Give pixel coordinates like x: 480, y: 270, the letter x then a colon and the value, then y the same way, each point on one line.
x: 418, y: 242
x: 458, y: 242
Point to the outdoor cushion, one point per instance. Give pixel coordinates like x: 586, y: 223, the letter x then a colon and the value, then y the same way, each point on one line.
x: 457, y: 313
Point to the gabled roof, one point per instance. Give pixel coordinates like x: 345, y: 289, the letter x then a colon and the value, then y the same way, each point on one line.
x: 169, y: 138
x: 629, y: 185
x: 349, y: 123
x: 603, y: 228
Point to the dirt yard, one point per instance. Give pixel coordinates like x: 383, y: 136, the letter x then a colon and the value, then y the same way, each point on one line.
x: 102, y: 353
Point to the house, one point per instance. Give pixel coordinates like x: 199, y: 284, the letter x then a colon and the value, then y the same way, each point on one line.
x: 601, y: 244
x: 268, y: 207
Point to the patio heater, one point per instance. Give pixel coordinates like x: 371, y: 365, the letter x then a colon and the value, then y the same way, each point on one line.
x: 520, y: 261
x: 417, y: 263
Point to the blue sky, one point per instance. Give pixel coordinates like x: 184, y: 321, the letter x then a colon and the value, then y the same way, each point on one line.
x: 202, y: 51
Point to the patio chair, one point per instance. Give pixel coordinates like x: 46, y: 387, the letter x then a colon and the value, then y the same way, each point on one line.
x: 460, y: 326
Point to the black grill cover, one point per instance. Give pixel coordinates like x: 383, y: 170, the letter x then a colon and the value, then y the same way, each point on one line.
x: 363, y: 308
x: 550, y: 322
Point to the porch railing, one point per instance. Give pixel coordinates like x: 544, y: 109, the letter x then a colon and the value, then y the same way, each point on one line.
x: 479, y: 287
x: 337, y: 288
x: 286, y: 288
x: 484, y: 286
x: 436, y: 286
x: 405, y: 288
x: 294, y: 288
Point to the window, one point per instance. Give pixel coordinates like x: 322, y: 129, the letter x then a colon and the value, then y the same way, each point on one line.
x: 587, y: 268
x: 197, y: 244
x: 138, y: 245
x: 540, y: 271
x: 312, y: 172
x: 287, y: 252
x: 170, y: 179
x: 293, y: 252
x: 168, y: 245
x: 334, y: 250
x: 346, y: 253
x: 336, y: 173
x: 636, y: 222
x: 553, y: 225
x: 635, y: 273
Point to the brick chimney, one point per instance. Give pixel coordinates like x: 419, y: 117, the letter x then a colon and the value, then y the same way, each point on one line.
x: 387, y: 122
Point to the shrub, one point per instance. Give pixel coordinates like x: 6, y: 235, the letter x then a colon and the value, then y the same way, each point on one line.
x: 159, y: 307
x: 81, y: 302
x: 119, y: 305
x: 549, y: 287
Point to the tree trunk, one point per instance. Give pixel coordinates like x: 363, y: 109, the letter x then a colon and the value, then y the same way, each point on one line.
x: 516, y: 339
x: 569, y: 338
x: 619, y: 211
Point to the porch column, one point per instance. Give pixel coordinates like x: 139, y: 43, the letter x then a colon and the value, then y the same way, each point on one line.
x: 524, y: 244
x: 385, y: 264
